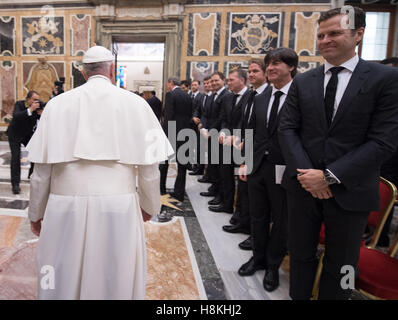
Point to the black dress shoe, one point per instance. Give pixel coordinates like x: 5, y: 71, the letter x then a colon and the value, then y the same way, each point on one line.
x: 204, y: 180
x: 246, y: 244
x: 162, y: 192
x: 16, y: 189
x: 233, y: 221
x: 176, y: 196
x: 271, y: 280
x: 249, y: 268
x: 221, y: 208
x: 208, y: 194
x: 197, y: 172
x: 236, y: 229
x: 216, y: 201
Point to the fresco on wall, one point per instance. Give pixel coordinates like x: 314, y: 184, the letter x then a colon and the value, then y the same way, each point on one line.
x: 81, y: 30
x: 204, y: 34
x: 7, y: 36
x: 200, y: 70
x: 303, y: 26
x: 42, y: 35
x: 255, y: 33
x: 8, y: 74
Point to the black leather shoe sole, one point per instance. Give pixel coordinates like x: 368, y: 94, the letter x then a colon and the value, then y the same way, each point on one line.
x: 271, y: 280
x: 220, y: 209
x: 208, y: 194
x: 204, y: 180
x: 249, y: 268
x: 235, y: 229
x: 196, y: 173
x: 215, y: 202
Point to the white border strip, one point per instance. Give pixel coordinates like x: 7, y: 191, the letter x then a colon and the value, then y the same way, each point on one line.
x: 195, y: 268
x: 14, y: 212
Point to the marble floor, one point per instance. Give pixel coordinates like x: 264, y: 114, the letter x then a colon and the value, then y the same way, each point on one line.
x: 189, y: 257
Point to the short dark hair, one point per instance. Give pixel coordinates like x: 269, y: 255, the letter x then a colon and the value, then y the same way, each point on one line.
x: 186, y: 83
x: 392, y: 60
x: 220, y: 74
x: 196, y: 81
x: 153, y: 92
x: 359, y: 16
x: 286, y: 55
x: 241, y: 73
x: 259, y: 62
x: 174, y: 80
x: 31, y: 93
x: 207, y: 78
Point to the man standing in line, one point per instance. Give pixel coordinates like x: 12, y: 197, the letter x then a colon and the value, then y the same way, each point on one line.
x: 231, y: 116
x: 212, y: 115
x: 91, y: 147
x: 155, y: 104
x: 267, y: 197
x: 197, y: 105
x: 20, y: 131
x: 177, y: 109
x: 338, y: 125
x: 241, y: 218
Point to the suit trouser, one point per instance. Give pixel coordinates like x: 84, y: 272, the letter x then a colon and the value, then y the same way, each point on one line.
x: 343, y: 235
x: 199, y: 149
x: 227, y: 177
x: 213, y: 171
x: 242, y: 213
x: 266, y: 197
x: 179, y: 184
x: 15, y: 147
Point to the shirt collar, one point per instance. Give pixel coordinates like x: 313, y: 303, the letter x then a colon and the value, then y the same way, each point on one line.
x: 349, y: 64
x: 99, y: 76
x: 261, y: 88
x: 242, y: 92
x: 284, y: 89
x: 219, y: 91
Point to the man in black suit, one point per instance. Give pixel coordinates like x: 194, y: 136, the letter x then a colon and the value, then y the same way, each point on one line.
x: 197, y: 105
x: 241, y: 218
x: 211, y: 113
x: 338, y: 125
x: 230, y: 118
x: 178, y: 109
x: 20, y: 130
x: 267, y: 197
x: 155, y: 104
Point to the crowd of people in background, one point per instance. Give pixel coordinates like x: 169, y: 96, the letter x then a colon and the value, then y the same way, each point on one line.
x: 319, y: 141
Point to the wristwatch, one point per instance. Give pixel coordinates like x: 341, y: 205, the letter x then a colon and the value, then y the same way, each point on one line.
x: 329, y: 178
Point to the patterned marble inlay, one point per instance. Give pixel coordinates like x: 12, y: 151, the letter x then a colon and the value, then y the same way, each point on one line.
x: 306, y: 25
x: 42, y: 35
x: 228, y: 66
x: 7, y: 36
x: 81, y: 29
x: 77, y: 78
x: 8, y: 229
x: 254, y: 33
x: 306, y: 66
x: 200, y: 70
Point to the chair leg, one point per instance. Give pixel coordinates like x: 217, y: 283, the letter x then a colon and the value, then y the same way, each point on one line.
x: 315, y: 288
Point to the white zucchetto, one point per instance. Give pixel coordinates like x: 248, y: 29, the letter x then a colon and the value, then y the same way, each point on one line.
x: 97, y: 54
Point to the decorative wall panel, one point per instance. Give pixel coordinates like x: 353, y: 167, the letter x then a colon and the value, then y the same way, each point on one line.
x: 7, y: 36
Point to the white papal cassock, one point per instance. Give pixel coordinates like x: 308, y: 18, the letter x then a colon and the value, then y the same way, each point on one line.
x: 96, y: 152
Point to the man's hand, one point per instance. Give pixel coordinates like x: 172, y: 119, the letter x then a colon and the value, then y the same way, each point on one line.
x: 196, y: 120
x: 145, y: 216
x: 221, y: 138
x: 35, y: 105
x: 243, y: 172
x: 312, y: 180
x: 237, y: 143
x: 204, y: 133
x: 36, y: 227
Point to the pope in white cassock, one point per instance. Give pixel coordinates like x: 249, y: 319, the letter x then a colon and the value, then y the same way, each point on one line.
x: 96, y: 180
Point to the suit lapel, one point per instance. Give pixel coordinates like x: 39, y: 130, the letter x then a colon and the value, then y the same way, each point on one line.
x: 319, y: 96
x: 358, y: 77
x: 261, y: 108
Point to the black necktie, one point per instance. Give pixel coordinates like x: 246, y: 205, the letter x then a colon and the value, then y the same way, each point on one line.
x: 331, y: 93
x: 234, y: 100
x: 249, y: 105
x: 274, y: 110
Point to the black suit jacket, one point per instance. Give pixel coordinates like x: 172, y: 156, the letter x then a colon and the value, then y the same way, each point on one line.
x: 231, y: 116
x: 362, y: 136
x: 265, y: 139
x: 21, y: 126
x: 178, y: 108
x: 197, y: 105
x: 211, y: 111
x: 156, y: 106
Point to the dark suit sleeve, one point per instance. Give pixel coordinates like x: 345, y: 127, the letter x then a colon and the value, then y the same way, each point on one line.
x: 288, y: 133
x: 169, y: 109
x: 381, y: 138
x: 223, y: 115
x: 20, y: 111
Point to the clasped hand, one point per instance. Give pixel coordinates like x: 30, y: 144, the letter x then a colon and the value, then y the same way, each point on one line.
x: 312, y: 180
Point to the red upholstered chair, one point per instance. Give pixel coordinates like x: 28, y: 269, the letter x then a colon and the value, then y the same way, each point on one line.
x: 376, y: 221
x: 378, y: 273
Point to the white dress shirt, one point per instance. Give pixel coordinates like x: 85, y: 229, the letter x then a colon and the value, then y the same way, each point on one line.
x: 343, y: 77
x: 284, y: 90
